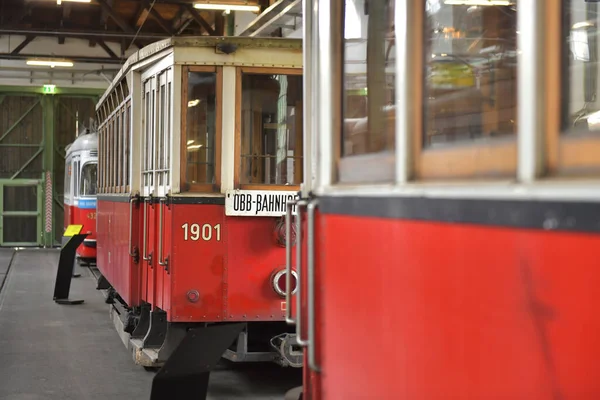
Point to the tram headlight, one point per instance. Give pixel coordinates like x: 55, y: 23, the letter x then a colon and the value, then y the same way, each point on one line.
x: 278, y: 282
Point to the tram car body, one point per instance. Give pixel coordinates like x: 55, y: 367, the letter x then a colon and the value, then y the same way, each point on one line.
x: 200, y: 150
x: 81, y: 168
x: 454, y: 262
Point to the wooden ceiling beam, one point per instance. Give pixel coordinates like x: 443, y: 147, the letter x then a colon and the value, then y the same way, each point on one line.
x: 201, y: 21
x: 115, y: 17
x: 82, y: 59
x: 178, y: 20
x: 107, y: 49
x: 160, y: 20
x: 21, y: 46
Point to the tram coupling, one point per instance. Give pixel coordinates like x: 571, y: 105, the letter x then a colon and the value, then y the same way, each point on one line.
x: 289, y: 352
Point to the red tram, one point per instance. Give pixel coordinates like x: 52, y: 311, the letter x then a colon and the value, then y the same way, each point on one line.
x: 200, y: 151
x: 451, y: 228
x: 81, y: 168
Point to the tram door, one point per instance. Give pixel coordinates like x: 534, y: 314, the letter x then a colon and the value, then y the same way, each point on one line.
x: 148, y: 209
x: 156, y: 178
x: 68, y: 201
x: 163, y: 186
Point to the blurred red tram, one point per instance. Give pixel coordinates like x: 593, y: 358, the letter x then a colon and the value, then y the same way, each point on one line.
x: 81, y: 169
x: 200, y: 150
x: 450, y: 228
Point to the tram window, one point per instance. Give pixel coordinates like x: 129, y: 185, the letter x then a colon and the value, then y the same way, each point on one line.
x: 149, y: 133
x: 88, y: 179
x: 164, y: 130
x: 470, y: 91
x: 200, y: 139
x: 68, y: 178
x: 127, y: 141
x: 578, y: 147
x: 160, y: 125
x: 76, y: 176
x: 118, y: 151
x: 100, y: 159
x: 471, y: 73
x: 271, y: 127
x: 369, y: 77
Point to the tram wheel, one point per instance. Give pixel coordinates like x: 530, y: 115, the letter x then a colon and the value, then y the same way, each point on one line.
x: 294, y: 394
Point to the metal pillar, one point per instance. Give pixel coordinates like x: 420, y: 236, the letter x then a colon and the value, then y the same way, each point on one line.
x: 230, y: 24
x: 48, y: 165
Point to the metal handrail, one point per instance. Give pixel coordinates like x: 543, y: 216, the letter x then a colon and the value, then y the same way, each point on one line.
x: 132, y: 199
x: 145, y: 237
x: 288, y: 262
x: 299, y: 205
x: 310, y: 271
x: 160, y: 233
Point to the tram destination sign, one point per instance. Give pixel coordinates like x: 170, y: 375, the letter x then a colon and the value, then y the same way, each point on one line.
x: 258, y: 203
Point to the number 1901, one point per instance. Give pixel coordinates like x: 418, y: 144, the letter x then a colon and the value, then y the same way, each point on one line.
x: 195, y: 232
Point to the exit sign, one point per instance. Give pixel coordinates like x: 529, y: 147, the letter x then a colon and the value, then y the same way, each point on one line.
x: 49, y: 89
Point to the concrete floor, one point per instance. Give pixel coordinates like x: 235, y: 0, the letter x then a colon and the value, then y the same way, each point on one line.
x: 51, y: 352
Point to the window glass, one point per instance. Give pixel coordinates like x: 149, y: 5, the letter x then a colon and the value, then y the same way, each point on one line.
x: 88, y: 179
x: 161, y: 133
x: 125, y: 144
x: 76, y: 178
x: 200, y: 127
x: 369, y: 77
x: 168, y: 127
x: 271, y: 142
x: 470, y: 71
x: 68, y: 177
x: 582, y: 106
x: 149, y: 133
x: 127, y: 141
x: 118, y: 165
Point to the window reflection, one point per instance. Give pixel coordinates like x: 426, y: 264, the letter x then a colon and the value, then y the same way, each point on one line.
x: 89, y: 180
x: 582, y: 112
x: 271, y: 129
x: 369, y: 77
x: 471, y: 71
x: 200, y: 106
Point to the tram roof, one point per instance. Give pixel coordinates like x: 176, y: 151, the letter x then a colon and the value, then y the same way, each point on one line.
x: 218, y: 42
x: 85, y: 141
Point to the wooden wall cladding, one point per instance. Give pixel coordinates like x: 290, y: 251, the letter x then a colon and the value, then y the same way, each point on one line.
x: 21, y: 137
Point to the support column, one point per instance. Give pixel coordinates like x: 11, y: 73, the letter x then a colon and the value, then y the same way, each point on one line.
x: 48, y: 165
x: 230, y: 23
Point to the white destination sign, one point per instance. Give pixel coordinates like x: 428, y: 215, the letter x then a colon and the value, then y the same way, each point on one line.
x: 258, y: 203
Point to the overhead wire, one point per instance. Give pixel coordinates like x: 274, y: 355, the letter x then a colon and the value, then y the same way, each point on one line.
x: 138, y: 31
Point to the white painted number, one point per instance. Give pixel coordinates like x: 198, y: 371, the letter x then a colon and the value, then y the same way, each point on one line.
x: 206, y: 232
x: 195, y: 229
x: 192, y: 231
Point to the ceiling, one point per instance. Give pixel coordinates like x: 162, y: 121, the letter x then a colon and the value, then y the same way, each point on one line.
x: 99, y: 36
x: 128, y: 23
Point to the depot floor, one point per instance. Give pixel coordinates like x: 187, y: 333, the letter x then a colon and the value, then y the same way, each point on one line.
x: 51, y: 352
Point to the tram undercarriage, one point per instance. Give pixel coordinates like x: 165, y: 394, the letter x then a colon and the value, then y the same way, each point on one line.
x: 174, y: 347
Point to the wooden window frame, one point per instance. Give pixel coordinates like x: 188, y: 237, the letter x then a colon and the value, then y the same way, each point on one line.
x: 573, y: 153
x: 238, y: 127
x: 201, y: 187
